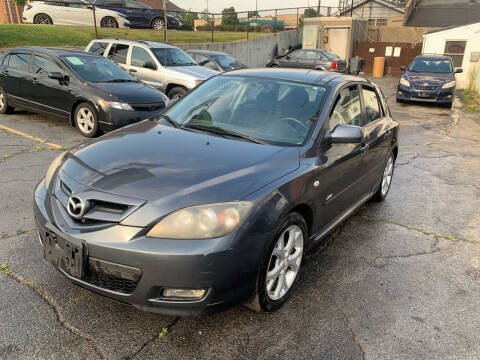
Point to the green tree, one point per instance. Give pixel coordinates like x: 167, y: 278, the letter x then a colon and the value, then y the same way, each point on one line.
x: 189, y: 19
x: 310, y: 12
x: 229, y: 16
x: 252, y: 14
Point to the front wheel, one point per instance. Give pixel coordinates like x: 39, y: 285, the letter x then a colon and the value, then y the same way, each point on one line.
x: 4, y: 108
x: 386, y: 181
x: 177, y: 93
x: 158, y: 24
x: 279, y: 271
x: 109, y: 22
x: 86, y: 119
x: 42, y: 19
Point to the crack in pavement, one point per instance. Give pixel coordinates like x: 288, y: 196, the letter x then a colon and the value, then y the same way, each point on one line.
x: 54, y: 306
x: 20, y: 232
x: 150, y: 341
x: 354, y: 335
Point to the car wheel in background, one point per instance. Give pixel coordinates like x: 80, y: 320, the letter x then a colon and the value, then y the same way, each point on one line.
x: 108, y: 22
x: 86, y: 120
x: 4, y: 108
x: 387, y: 177
x: 158, y: 24
x: 42, y: 19
x: 281, y: 266
x: 177, y: 93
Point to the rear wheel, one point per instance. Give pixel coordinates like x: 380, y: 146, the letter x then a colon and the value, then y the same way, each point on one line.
x: 279, y: 271
x: 86, y: 120
x: 42, y: 19
x: 387, y: 177
x: 158, y: 24
x: 4, y: 108
x: 177, y: 93
x: 109, y: 22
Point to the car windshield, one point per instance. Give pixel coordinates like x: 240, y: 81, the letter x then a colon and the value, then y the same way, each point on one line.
x: 431, y: 66
x: 173, y: 57
x: 330, y: 56
x: 96, y: 69
x: 226, y: 62
x: 268, y: 110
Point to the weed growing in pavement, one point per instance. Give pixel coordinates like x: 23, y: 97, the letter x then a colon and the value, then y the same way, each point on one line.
x: 163, y: 333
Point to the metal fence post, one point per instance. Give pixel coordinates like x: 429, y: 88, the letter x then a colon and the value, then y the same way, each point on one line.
x: 275, y: 25
x: 212, y: 24
x: 248, y: 23
x: 297, y: 27
x: 95, y: 21
x: 165, y: 26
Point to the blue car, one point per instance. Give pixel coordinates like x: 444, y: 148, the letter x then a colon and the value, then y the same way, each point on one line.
x: 140, y: 15
x: 429, y: 78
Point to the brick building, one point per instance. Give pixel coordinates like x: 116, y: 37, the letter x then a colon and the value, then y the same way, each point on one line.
x: 10, y: 13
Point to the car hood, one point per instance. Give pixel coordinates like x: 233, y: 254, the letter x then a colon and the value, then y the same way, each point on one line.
x: 172, y: 168
x: 430, y: 78
x: 133, y: 93
x: 198, y: 72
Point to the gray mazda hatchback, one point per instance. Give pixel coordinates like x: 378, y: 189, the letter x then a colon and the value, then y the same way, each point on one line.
x: 216, y: 201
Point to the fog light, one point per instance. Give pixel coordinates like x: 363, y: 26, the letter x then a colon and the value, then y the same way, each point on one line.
x: 449, y: 96
x: 190, y: 294
x: 400, y: 93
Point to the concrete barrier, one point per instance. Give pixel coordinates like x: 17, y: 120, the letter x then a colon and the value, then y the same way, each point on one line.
x: 255, y: 52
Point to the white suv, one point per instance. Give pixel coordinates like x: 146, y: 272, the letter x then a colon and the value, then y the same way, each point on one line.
x: 162, y: 66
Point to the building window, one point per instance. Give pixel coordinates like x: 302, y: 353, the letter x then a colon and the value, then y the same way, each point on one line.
x: 456, y: 50
x: 381, y: 22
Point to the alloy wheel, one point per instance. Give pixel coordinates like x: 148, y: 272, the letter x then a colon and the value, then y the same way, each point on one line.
x: 2, y: 101
x: 85, y: 120
x: 284, y: 263
x: 387, y: 176
x: 43, y: 19
x: 109, y: 22
x: 158, y: 24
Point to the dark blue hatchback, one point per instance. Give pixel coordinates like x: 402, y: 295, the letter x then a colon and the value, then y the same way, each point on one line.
x: 428, y: 78
x: 139, y: 14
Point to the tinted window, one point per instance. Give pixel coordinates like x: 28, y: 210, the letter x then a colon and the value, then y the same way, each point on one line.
x: 226, y: 62
x: 133, y: 4
x: 329, y: 56
x: 118, y: 53
x: 431, y: 66
x: 347, y: 108
x: 140, y: 57
x: 275, y: 111
x: 372, y: 109
x: 173, y: 57
x: 297, y: 54
x: 44, y: 66
x: 20, y: 62
x: 117, y: 3
x: 205, y: 61
x: 97, y: 69
x: 98, y: 48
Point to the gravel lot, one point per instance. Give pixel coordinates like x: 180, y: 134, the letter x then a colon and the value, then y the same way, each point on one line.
x: 398, y: 280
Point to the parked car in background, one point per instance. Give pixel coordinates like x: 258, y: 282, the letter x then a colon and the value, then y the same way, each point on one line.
x: 72, y: 13
x: 218, y: 200
x: 89, y: 91
x: 310, y: 59
x: 162, y: 66
x: 139, y: 14
x: 428, y: 78
x: 215, y: 60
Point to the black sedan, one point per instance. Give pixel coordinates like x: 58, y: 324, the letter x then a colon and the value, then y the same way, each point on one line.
x: 89, y: 91
x: 428, y: 78
x: 215, y: 60
x: 316, y: 59
x: 139, y: 14
x: 269, y: 163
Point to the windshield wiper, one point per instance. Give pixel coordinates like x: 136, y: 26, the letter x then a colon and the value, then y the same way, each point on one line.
x: 221, y: 131
x: 169, y: 119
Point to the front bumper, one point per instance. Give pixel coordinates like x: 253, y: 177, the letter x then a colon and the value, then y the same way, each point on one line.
x: 226, y: 271
x: 111, y: 119
x: 438, y: 95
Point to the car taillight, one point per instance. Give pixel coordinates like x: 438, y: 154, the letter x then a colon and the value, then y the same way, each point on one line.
x: 334, y: 64
x: 28, y: 7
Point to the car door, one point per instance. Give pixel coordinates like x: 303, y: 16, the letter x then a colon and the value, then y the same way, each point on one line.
x: 48, y: 95
x: 339, y: 164
x: 75, y: 13
x: 138, y: 15
x: 377, y: 137
x: 118, y: 53
x: 308, y: 59
x: 143, y: 67
x: 291, y: 60
x: 15, y: 75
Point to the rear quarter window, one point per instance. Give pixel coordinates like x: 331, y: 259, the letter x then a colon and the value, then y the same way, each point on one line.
x: 98, y: 48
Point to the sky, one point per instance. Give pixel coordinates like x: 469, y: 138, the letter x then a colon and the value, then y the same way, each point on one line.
x: 244, y: 5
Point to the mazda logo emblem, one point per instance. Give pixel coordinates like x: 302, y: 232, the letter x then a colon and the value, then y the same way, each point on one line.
x: 76, y: 207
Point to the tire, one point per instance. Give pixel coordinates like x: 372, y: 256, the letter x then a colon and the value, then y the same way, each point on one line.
x: 158, y: 24
x: 269, y: 295
x: 108, y: 22
x: 86, y: 120
x: 4, y: 108
x: 177, y: 93
x: 274, y: 66
x: 387, y: 176
x: 42, y: 19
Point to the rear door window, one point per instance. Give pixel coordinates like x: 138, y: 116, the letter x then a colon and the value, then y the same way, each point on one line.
x: 371, y: 104
x: 118, y: 53
x: 98, y: 48
x: 20, y: 62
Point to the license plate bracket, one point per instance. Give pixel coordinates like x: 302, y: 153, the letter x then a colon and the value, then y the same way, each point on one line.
x: 67, y: 255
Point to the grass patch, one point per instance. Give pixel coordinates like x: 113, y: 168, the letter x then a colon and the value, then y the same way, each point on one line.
x: 12, y: 35
x: 471, y: 99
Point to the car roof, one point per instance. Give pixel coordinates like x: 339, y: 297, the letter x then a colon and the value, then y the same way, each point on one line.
x: 432, y: 57
x: 51, y: 51
x: 301, y: 75
x: 207, y: 52
x: 151, y: 44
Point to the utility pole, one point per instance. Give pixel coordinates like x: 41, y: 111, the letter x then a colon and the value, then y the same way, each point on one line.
x: 165, y: 21
x: 319, y: 7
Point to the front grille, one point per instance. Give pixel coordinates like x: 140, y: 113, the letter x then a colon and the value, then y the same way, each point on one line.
x: 111, y: 276
x: 148, y: 107
x: 421, y: 87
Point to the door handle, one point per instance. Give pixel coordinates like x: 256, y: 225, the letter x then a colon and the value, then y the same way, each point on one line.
x: 132, y: 70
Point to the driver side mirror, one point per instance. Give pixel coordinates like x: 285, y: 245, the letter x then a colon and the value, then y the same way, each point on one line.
x: 403, y: 68
x: 346, y: 134
x: 58, y: 76
x: 149, y: 65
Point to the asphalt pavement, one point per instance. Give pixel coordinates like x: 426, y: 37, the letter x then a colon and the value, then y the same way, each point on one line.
x: 398, y: 280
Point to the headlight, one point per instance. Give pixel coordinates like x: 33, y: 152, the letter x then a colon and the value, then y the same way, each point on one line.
x: 203, y: 221
x: 448, y: 84
x: 404, y: 81
x: 198, y: 82
x: 115, y: 105
x: 52, y: 168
